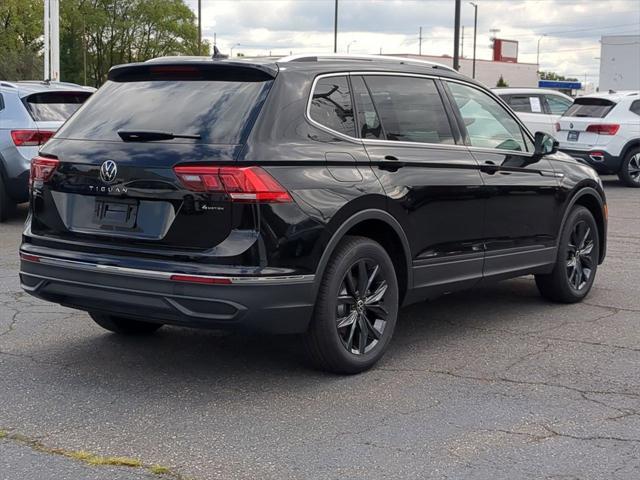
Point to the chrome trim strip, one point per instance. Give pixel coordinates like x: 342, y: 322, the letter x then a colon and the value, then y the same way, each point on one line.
x: 383, y: 58
x: 141, y: 273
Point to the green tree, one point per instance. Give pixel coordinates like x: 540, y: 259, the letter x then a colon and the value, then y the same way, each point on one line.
x: 501, y: 82
x: 97, y: 34
x: 21, y: 33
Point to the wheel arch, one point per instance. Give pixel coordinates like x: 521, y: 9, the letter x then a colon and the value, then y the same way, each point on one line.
x: 589, y: 198
x: 633, y: 143
x: 383, y: 228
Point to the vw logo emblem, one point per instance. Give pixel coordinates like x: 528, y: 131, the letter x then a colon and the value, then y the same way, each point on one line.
x: 108, y: 171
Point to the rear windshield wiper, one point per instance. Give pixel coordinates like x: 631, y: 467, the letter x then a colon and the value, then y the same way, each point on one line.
x: 151, y: 135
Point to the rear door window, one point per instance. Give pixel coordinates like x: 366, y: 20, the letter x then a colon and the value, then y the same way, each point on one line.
x: 368, y: 121
x: 220, y: 110
x: 331, y: 105
x: 54, y: 106
x: 410, y: 109
x: 590, y: 107
x: 526, y: 103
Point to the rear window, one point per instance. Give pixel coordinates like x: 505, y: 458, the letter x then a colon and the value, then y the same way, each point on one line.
x: 54, y: 106
x: 217, y: 111
x: 590, y: 107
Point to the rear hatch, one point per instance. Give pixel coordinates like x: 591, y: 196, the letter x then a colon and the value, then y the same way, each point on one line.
x: 115, y: 184
x: 583, y: 126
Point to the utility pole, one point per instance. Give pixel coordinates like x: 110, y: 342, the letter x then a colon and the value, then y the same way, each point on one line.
x: 462, y: 44
x: 47, y: 42
x: 214, y: 39
x: 199, y: 27
x: 420, y: 42
x: 538, y: 52
x: 475, y: 31
x: 456, y: 37
x: 335, y: 29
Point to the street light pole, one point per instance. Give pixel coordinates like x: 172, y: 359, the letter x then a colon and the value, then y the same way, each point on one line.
x: 349, y: 45
x: 456, y: 37
x: 538, y: 54
x: 475, y: 31
x: 335, y: 29
x: 199, y: 27
x: 232, y: 47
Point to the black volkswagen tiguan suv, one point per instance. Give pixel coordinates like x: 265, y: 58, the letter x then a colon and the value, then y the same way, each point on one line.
x: 312, y: 195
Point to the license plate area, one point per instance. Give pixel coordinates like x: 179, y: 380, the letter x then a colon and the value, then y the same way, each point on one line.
x: 573, y: 136
x: 116, y: 212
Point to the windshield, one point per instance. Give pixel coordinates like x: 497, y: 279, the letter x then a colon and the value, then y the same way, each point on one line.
x: 210, y: 111
x: 54, y: 106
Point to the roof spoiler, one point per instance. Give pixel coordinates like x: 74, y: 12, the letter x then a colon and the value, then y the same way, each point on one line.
x: 204, y: 70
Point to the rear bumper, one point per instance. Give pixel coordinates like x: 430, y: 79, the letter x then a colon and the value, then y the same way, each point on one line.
x: 601, y: 161
x: 260, y: 304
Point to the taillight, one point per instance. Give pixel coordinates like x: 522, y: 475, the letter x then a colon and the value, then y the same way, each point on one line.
x: 30, y: 138
x: 604, y: 129
x: 557, y: 126
x: 242, y: 184
x: 42, y: 169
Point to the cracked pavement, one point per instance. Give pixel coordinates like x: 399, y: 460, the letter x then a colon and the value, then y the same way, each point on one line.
x: 492, y: 383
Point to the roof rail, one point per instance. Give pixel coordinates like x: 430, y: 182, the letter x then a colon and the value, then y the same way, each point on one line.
x: 311, y: 57
x: 4, y: 83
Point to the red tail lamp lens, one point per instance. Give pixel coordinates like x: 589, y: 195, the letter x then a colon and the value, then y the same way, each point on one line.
x: 242, y: 184
x: 42, y: 169
x: 30, y: 138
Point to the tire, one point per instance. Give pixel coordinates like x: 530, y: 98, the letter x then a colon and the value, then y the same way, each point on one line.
x: 629, y: 173
x: 334, y: 341
x: 577, y: 262
x: 124, y: 326
x: 7, y: 205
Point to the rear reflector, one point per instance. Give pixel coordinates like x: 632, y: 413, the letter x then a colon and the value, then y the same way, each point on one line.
x: 604, y: 129
x: 30, y: 138
x: 29, y: 258
x: 42, y: 169
x: 242, y: 184
x: 199, y: 279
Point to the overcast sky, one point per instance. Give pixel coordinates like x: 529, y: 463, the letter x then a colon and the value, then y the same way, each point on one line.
x: 573, y: 27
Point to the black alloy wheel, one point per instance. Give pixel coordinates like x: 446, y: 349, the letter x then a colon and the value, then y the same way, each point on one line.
x: 356, y: 308
x: 577, y: 260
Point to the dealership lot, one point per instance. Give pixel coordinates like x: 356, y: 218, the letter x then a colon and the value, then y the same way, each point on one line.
x: 494, y: 383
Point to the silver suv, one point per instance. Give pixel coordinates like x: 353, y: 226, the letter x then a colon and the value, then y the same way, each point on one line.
x: 30, y: 113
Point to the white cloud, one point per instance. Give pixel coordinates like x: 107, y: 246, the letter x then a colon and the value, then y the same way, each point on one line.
x: 573, y: 27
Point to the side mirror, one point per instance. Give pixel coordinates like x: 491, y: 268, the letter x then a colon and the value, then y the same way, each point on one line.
x: 545, y: 144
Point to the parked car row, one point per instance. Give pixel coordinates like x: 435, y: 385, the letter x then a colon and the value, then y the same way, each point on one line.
x: 30, y: 113
x: 601, y: 129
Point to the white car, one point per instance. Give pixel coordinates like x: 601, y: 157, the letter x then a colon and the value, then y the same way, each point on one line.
x: 603, y: 130
x: 538, y: 108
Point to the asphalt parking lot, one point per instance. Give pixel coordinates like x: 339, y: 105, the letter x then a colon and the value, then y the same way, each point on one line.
x: 494, y: 383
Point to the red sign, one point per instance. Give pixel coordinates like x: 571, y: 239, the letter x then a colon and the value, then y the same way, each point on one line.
x: 505, y: 50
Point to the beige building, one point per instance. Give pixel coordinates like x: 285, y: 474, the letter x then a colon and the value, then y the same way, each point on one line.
x: 488, y: 72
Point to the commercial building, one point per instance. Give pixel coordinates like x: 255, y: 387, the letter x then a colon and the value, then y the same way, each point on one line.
x: 619, y: 62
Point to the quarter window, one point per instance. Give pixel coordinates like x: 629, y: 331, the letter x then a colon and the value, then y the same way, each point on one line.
x: 488, y: 124
x: 635, y: 107
x: 410, y: 109
x: 331, y: 105
x: 558, y: 105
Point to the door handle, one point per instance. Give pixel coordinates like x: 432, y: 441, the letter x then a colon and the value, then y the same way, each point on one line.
x: 489, y: 167
x: 390, y: 164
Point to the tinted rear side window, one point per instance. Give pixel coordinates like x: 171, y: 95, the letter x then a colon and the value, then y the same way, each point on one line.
x: 410, y: 109
x: 635, y: 107
x: 220, y: 112
x: 54, y: 106
x: 525, y: 103
x: 331, y: 105
x: 368, y: 121
x: 589, y: 107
